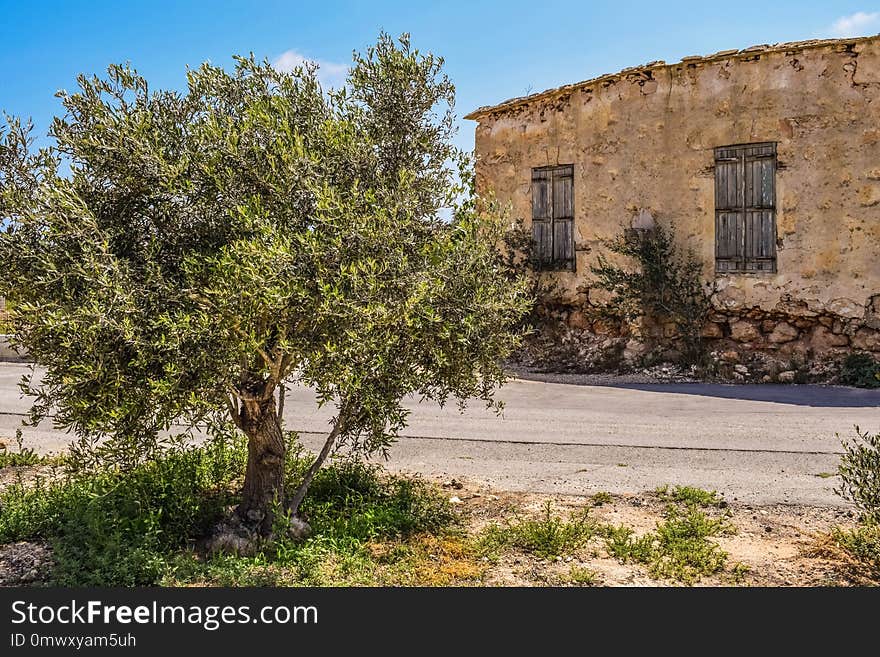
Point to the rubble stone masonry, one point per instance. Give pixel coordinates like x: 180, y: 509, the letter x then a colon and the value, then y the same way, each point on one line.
x: 641, y: 142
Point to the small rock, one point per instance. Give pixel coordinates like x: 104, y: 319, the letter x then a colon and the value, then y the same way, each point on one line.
x: 783, y: 332
x: 741, y: 369
x: 730, y: 356
x: 786, y: 377
x: 24, y: 563
x: 867, y: 339
x: 712, y: 330
x: 299, y: 529
x: 455, y: 500
x: 492, y: 497
x: 743, y: 331
x: 823, y: 339
x: 578, y: 320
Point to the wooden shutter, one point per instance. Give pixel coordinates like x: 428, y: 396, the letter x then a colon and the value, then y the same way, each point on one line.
x: 760, y: 211
x: 563, y: 217
x: 745, y: 208
x: 542, y: 216
x: 729, y: 219
x: 553, y: 217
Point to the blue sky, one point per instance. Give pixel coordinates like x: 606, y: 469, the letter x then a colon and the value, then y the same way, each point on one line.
x: 493, y: 50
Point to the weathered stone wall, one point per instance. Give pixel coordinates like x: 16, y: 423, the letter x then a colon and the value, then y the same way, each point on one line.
x: 643, y: 139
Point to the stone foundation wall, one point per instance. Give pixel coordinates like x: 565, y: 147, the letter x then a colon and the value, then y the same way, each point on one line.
x: 787, y: 342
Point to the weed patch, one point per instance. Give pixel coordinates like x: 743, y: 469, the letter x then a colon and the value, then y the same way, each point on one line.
x: 690, y: 495
x: 860, y: 370
x: 548, y: 536
x: 580, y: 576
x: 23, y: 456
x: 679, y: 548
x: 862, y: 544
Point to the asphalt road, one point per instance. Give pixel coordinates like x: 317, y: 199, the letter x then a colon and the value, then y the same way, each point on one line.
x: 756, y: 444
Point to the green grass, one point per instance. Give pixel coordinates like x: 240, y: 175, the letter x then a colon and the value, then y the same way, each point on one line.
x: 111, y: 528
x: 143, y: 527
x: 548, y: 536
x: 680, y: 548
x: 114, y: 528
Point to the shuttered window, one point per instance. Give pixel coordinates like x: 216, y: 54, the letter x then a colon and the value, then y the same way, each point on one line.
x: 745, y: 208
x: 553, y: 217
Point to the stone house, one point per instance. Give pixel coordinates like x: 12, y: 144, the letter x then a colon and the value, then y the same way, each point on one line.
x: 766, y: 160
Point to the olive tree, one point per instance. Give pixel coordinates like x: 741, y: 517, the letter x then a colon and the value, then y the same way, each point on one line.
x: 178, y: 256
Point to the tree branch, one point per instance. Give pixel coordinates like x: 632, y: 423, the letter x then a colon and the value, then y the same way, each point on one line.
x: 281, y: 390
x: 232, y: 405
x: 342, y: 423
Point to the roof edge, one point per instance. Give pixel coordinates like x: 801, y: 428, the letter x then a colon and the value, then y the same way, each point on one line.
x: 792, y: 46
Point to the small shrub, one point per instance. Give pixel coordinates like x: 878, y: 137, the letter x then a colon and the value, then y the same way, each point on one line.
x: 863, y: 545
x: 679, y: 548
x: 580, y: 576
x: 683, y: 551
x: 664, y: 285
x: 623, y: 545
x: 690, y: 495
x: 600, y: 498
x: 547, y: 537
x: 860, y: 370
x: 859, y: 472
x: 22, y: 456
x: 738, y: 572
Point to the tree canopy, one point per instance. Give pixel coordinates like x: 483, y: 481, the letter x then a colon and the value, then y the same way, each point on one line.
x: 178, y: 256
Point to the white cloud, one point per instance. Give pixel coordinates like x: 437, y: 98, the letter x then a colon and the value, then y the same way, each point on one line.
x: 331, y: 74
x: 858, y: 24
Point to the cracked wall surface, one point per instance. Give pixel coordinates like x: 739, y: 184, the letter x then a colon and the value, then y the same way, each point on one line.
x: 642, y: 141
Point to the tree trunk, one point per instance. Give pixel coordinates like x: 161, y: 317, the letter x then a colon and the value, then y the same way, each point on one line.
x: 264, y: 478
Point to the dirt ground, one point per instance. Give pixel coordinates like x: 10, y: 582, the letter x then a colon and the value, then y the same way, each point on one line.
x: 779, y: 545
